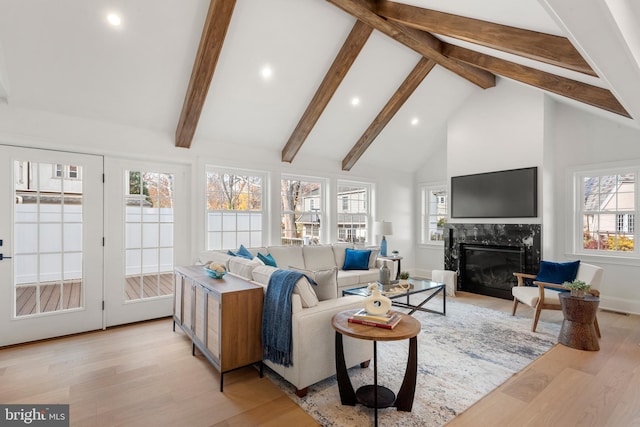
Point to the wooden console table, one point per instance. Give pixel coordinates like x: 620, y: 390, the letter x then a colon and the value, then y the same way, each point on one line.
x: 223, y: 317
x: 578, y: 329
x: 375, y: 396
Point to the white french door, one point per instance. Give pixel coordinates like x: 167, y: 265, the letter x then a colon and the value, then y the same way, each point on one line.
x: 51, y: 228
x: 147, y: 229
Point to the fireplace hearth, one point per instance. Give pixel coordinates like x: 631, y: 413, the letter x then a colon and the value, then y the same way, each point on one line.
x: 486, y: 255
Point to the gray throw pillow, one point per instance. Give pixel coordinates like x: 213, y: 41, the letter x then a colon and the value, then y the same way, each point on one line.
x: 326, y: 282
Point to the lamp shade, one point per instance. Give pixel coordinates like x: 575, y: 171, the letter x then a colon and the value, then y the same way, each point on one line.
x: 383, y: 228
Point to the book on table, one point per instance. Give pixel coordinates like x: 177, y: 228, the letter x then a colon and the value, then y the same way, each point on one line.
x: 380, y: 318
x: 390, y: 324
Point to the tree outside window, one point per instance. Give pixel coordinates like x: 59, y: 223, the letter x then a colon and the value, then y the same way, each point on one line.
x: 234, y: 209
x: 302, y: 214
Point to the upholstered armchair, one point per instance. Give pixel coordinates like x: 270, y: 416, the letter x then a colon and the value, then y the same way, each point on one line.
x: 544, y: 296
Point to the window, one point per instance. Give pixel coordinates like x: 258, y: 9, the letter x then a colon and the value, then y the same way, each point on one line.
x: 606, y: 215
x: 434, y: 214
x: 302, y: 213
x: 234, y: 209
x: 66, y: 171
x: 148, y: 205
x: 353, y: 211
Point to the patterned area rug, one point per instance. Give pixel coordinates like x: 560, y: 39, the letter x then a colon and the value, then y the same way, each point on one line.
x: 461, y: 357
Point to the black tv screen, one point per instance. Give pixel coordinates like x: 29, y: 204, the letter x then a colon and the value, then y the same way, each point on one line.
x: 503, y: 194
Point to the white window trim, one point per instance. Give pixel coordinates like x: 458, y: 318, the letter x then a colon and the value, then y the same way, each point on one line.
x: 422, y: 188
x: 323, y: 205
x: 369, y: 219
x: 238, y: 171
x: 574, y: 236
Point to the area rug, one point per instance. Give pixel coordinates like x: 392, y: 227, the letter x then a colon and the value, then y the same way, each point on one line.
x: 461, y: 357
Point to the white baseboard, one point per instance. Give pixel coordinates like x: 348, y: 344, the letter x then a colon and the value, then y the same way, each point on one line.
x: 620, y: 305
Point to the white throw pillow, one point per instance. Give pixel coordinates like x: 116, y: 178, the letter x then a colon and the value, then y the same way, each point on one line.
x: 326, y: 282
x: 243, y: 267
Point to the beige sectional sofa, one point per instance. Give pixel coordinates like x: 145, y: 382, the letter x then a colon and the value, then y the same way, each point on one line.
x: 316, y: 259
x: 313, y: 306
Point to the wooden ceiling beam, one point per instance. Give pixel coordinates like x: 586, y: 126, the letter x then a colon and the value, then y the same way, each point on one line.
x: 341, y: 64
x: 582, y: 92
x: 419, y: 41
x: 211, y: 41
x: 398, y: 99
x: 547, y: 48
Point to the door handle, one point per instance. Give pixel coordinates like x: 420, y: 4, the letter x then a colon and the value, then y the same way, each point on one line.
x: 4, y: 257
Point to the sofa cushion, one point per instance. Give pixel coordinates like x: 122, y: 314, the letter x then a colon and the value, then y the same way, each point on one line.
x: 243, y: 267
x: 339, y: 252
x: 303, y: 288
x: 356, y: 259
x: 267, y: 259
x: 287, y: 256
x: 318, y: 257
x: 326, y: 282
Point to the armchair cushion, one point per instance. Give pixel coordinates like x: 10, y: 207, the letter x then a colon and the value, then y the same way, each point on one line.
x: 557, y: 272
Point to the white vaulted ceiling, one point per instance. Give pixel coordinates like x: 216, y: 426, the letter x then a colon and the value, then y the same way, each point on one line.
x: 61, y: 56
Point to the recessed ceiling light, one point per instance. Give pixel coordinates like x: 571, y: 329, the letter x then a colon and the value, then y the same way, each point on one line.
x: 355, y: 101
x: 266, y: 72
x: 415, y: 121
x: 114, y: 19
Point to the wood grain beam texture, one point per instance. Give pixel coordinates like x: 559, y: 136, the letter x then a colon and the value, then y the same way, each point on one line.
x: 341, y: 64
x: 419, y: 41
x: 551, y: 49
x: 211, y: 41
x: 583, y: 92
x: 398, y: 99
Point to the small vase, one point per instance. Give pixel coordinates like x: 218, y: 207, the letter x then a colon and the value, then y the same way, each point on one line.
x: 578, y: 293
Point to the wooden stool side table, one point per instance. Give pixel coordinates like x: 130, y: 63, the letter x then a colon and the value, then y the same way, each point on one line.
x: 578, y: 330
x: 375, y: 396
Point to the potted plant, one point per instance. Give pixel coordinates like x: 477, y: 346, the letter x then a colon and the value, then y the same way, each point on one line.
x: 404, y: 276
x: 578, y: 288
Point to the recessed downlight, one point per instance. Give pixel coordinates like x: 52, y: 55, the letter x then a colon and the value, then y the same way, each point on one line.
x: 266, y: 72
x: 355, y: 101
x: 415, y: 121
x: 114, y: 19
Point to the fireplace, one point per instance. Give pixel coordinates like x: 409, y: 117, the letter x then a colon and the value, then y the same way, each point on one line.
x: 488, y: 269
x: 486, y: 255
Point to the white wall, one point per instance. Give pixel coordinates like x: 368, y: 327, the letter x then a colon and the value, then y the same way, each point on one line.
x: 584, y: 139
x: 512, y: 126
x: 36, y: 129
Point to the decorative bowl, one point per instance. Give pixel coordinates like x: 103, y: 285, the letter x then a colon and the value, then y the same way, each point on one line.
x: 215, y: 274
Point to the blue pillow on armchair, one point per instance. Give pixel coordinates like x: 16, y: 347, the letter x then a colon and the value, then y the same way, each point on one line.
x: 356, y: 259
x: 557, y: 272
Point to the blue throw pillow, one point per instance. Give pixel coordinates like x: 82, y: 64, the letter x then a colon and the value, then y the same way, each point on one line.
x: 244, y: 252
x: 267, y: 259
x: 356, y: 259
x: 557, y: 272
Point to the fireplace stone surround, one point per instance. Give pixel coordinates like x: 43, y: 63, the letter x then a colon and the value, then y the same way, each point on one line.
x: 507, y: 245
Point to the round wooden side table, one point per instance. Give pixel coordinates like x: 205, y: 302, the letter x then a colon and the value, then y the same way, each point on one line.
x: 375, y: 396
x: 578, y: 329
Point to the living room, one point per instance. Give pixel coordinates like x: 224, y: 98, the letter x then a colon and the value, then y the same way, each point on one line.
x: 472, y: 130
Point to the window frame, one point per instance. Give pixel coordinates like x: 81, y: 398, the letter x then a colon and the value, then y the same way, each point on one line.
x: 576, y: 178
x: 263, y: 211
x: 316, y: 209
x: 425, y: 212
x: 340, y: 201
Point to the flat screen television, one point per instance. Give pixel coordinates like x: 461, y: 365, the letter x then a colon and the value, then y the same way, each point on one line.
x: 502, y: 194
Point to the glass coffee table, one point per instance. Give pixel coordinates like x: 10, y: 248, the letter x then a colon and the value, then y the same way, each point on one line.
x: 416, y: 286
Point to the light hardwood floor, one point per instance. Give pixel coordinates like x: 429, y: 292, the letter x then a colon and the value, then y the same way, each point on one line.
x: 144, y: 375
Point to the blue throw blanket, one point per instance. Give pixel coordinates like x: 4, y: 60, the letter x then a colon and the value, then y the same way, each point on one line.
x: 276, y: 316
